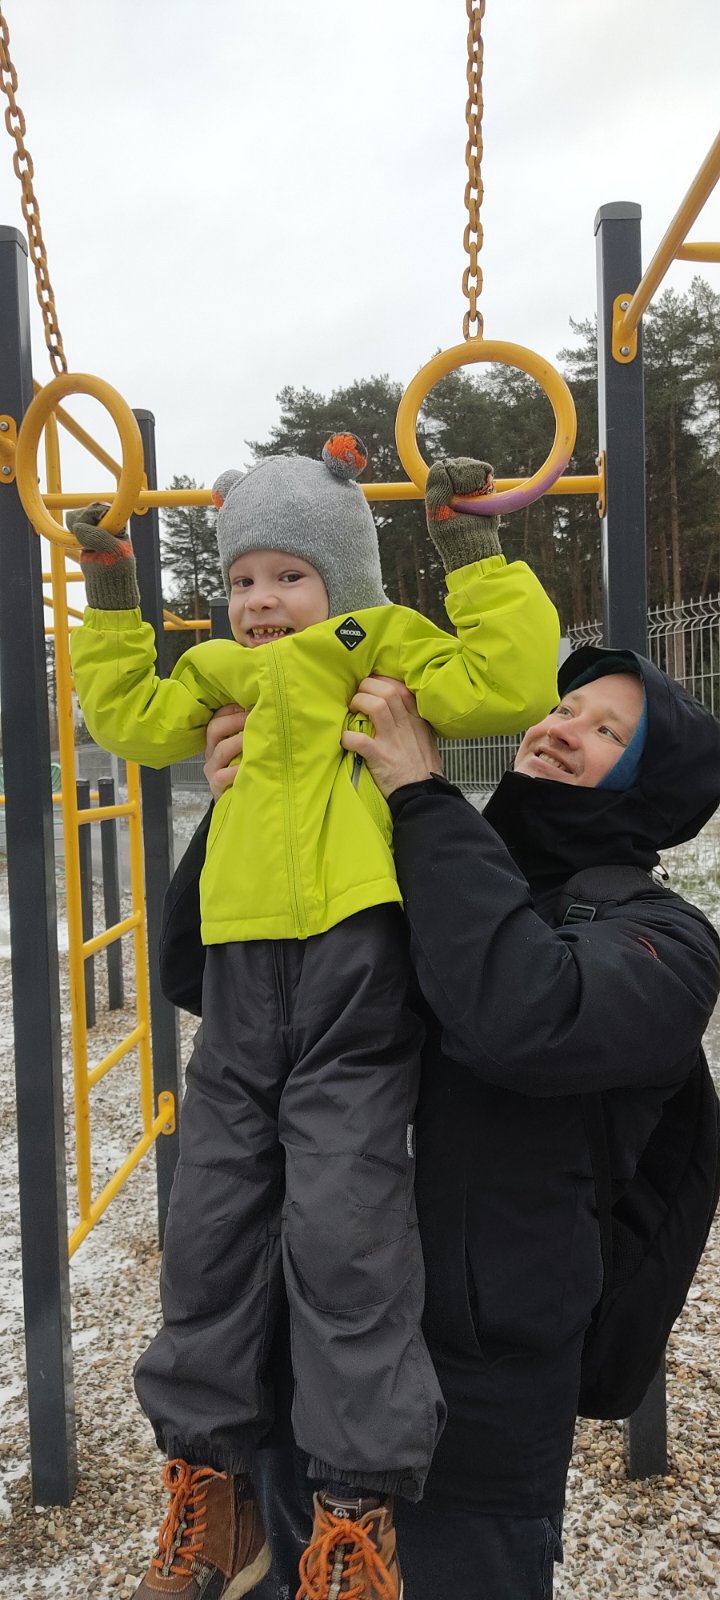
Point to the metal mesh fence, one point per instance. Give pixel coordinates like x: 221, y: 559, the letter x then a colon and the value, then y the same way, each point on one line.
x: 477, y: 765
x: 683, y: 639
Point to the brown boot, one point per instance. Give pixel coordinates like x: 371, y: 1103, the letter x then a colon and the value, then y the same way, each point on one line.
x: 211, y: 1543
x: 352, y: 1552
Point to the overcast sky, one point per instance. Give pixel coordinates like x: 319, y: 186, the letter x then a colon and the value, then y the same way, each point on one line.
x: 240, y: 195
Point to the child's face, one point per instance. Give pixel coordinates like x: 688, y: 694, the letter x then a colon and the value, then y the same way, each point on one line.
x: 273, y: 594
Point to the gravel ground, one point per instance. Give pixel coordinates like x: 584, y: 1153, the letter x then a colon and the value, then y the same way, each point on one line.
x: 649, y: 1540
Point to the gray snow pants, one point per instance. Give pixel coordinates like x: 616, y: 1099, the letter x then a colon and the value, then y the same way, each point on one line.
x: 297, y: 1164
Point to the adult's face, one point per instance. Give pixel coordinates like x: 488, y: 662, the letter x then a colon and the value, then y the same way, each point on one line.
x: 586, y: 734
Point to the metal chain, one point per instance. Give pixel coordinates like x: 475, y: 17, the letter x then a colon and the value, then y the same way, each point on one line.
x: 473, y: 235
x: 22, y: 162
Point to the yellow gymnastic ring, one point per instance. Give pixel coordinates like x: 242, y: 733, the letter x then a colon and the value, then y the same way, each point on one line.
x: 36, y: 416
x: 508, y: 355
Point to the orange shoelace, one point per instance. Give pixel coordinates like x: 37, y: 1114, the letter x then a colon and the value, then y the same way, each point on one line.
x: 183, y: 1529
x: 361, y: 1561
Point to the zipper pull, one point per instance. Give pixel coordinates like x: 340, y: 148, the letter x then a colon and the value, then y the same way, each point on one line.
x: 357, y: 769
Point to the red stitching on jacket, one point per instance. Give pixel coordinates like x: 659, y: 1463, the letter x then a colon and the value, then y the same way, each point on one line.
x: 648, y: 946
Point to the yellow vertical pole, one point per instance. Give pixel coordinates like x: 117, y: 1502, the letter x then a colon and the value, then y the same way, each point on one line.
x: 66, y: 737
x: 137, y: 886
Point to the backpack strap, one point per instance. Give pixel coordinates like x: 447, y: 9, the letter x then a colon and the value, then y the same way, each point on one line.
x: 589, y: 890
x: 578, y: 913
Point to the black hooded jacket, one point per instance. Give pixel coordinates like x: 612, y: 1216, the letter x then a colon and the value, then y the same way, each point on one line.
x: 526, y: 1016
x: 531, y: 1015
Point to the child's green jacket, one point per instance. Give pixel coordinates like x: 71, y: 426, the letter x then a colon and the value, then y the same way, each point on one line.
x: 303, y: 839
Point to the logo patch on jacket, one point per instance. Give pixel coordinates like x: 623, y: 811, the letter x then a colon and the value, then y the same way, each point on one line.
x: 351, y: 633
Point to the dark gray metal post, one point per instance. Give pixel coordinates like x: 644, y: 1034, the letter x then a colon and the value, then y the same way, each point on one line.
x: 219, y: 622
x: 33, y: 928
x: 645, y: 1433
x: 111, y: 894
x: 622, y: 436
x: 157, y: 838
x: 86, y: 897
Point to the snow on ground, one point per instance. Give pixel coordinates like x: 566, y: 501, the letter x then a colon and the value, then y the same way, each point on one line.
x: 653, y: 1540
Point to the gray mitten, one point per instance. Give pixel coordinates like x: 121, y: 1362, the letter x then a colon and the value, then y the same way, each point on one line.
x: 107, y: 560
x: 458, y: 536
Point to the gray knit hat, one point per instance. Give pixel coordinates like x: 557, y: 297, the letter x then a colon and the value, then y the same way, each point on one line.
x: 312, y: 509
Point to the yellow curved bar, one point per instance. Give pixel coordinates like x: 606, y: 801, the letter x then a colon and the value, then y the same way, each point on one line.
x: 85, y: 439
x: 36, y: 416
x: 508, y: 355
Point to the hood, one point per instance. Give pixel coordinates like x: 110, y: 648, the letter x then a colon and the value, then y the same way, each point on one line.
x: 554, y: 830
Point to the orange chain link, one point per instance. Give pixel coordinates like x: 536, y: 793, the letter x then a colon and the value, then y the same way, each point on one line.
x: 22, y: 162
x: 473, y: 235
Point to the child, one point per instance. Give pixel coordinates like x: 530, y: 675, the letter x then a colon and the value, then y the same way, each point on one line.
x: 297, y: 1130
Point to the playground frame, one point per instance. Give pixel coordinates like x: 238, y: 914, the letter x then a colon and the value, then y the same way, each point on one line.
x: 619, y: 487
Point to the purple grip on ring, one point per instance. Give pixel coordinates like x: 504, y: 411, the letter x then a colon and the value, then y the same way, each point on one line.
x: 492, y: 505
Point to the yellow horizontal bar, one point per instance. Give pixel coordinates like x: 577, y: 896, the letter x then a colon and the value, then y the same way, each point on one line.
x: 667, y: 250
x: 122, y: 1049
x: 111, y: 1189
x: 172, y: 621
x: 146, y: 498
x: 592, y: 483
x: 404, y: 490
x: 91, y: 946
x: 126, y: 808
x: 202, y: 625
x: 576, y: 484
x: 57, y: 798
x: 85, y: 439
x: 697, y: 251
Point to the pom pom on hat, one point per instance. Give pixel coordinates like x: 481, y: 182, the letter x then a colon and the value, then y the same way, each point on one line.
x: 223, y: 486
x: 345, y: 455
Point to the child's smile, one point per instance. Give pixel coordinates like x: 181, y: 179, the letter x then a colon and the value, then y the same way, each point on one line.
x: 265, y: 635
x: 273, y: 594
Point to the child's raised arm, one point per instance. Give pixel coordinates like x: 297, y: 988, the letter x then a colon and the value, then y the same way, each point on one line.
x: 499, y: 674
x: 128, y: 709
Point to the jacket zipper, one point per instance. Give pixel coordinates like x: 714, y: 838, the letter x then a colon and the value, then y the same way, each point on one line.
x: 292, y: 845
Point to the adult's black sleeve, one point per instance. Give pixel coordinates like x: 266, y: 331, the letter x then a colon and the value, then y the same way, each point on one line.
x: 619, y: 1002
x: 181, y: 951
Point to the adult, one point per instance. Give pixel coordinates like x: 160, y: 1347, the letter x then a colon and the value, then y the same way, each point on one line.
x: 525, y: 1016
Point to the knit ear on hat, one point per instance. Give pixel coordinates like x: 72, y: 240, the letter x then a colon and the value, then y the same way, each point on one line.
x: 345, y: 455
x: 223, y: 486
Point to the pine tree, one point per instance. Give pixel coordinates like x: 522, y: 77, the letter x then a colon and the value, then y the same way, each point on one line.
x: 706, y: 306
x: 190, y: 558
